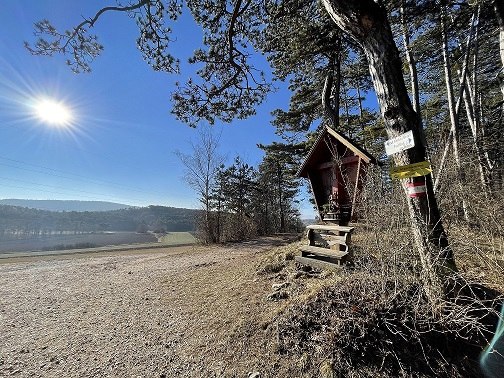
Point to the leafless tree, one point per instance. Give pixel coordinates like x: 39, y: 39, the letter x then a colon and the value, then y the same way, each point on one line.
x: 201, y: 166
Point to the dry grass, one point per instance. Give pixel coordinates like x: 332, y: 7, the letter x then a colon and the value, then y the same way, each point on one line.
x: 233, y: 312
x: 480, y: 256
x: 375, y: 320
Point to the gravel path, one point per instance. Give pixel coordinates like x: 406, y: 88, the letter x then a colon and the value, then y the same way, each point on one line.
x: 154, y: 313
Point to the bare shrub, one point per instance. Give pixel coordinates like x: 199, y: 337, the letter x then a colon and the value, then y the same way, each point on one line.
x: 384, y: 222
x: 373, y: 323
x: 236, y: 227
x: 379, y: 319
x: 225, y: 227
x: 203, y: 233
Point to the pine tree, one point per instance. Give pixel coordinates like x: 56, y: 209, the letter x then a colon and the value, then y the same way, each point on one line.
x: 236, y: 185
x: 278, y: 188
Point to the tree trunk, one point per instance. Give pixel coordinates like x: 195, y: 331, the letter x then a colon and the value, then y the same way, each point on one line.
x: 499, y: 14
x: 280, y: 199
x: 361, y: 113
x: 336, y: 90
x: 454, y: 119
x: 473, y: 110
x: 208, y: 233
x: 366, y: 22
x: 332, y: 88
x: 329, y: 112
x: 415, y: 92
x: 411, y: 62
x: 457, y: 106
x: 474, y: 123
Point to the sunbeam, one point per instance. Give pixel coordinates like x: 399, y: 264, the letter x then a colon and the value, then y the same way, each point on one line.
x: 53, y: 112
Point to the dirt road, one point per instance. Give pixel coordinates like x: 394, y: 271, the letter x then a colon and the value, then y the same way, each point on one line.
x: 152, y: 313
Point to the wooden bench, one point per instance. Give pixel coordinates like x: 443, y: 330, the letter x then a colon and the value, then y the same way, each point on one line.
x: 328, y: 246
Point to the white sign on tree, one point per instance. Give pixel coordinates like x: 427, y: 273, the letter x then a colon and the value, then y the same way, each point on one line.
x: 400, y: 143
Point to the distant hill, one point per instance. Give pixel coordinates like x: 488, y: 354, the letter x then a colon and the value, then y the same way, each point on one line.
x: 65, y: 205
x: 17, y: 221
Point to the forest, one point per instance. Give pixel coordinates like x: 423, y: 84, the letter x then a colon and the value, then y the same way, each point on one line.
x: 440, y: 75
x: 425, y: 293
x: 240, y: 201
x: 22, y: 222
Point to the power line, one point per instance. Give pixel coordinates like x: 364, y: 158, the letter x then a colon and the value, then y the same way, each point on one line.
x: 60, y: 193
x: 79, y: 177
x: 59, y: 188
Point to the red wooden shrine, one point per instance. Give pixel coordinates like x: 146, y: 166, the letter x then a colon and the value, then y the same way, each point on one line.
x: 336, y: 167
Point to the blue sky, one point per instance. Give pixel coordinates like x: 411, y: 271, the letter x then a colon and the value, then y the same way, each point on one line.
x: 121, y: 146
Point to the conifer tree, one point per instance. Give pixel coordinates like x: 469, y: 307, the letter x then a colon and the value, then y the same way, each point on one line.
x: 278, y: 188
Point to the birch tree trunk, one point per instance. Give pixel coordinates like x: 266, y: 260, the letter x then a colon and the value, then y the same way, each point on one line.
x: 454, y: 120
x: 366, y: 22
x: 475, y: 125
x: 473, y: 112
x: 415, y: 92
x: 457, y: 106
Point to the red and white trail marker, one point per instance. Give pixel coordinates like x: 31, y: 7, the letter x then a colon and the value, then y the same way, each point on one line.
x: 416, y: 189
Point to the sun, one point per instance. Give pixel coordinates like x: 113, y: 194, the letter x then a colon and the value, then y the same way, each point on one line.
x: 53, y: 112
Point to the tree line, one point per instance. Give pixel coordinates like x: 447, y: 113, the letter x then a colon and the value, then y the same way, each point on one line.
x: 24, y: 222
x: 435, y: 67
x: 238, y: 200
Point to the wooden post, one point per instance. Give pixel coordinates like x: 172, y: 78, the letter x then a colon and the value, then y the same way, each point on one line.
x: 314, y: 195
x: 357, y: 178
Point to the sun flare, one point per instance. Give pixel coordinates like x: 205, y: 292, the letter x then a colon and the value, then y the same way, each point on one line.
x: 53, y: 112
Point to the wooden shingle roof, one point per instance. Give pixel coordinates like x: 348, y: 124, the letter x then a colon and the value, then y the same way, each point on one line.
x: 347, y: 142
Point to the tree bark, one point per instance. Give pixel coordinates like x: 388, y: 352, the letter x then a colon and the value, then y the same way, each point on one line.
x: 415, y: 91
x: 474, y: 123
x: 454, y: 119
x: 330, y: 113
x: 361, y: 113
x: 332, y: 88
x: 474, y: 110
x: 366, y: 22
x: 463, y: 80
x: 411, y: 62
x: 499, y: 14
x: 280, y: 199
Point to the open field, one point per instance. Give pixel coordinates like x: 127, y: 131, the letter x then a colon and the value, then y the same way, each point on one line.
x: 177, y: 238
x: 92, y: 240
